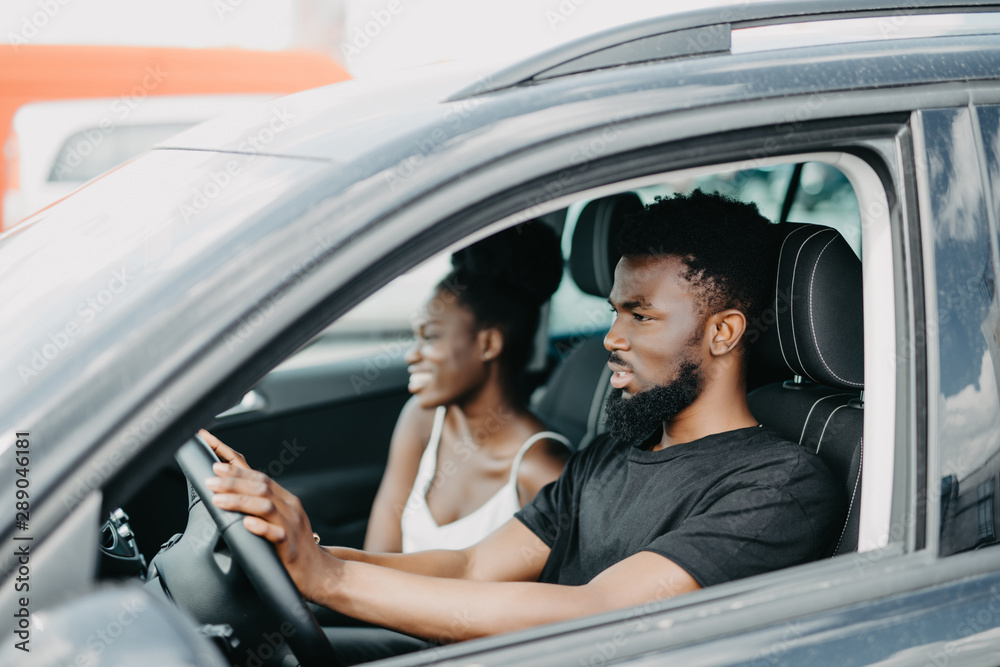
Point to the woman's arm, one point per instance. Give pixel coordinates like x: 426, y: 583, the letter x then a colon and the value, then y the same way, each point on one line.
x: 409, y: 439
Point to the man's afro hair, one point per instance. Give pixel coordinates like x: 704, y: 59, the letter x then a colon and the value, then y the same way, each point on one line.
x: 727, y: 245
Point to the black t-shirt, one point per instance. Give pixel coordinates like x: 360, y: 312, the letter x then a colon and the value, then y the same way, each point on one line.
x: 723, y: 507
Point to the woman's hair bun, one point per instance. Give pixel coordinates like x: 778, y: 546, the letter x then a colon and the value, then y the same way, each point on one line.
x: 526, y: 257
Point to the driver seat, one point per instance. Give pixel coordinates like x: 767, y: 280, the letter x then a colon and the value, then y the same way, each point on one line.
x: 814, y: 331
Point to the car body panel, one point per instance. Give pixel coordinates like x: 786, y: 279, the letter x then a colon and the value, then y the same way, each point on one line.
x: 128, y: 621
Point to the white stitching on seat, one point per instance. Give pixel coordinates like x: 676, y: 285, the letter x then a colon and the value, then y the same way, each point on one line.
x: 809, y: 414
x: 795, y: 267
x: 819, y: 443
x: 812, y: 322
x: 854, y: 493
x: 777, y: 317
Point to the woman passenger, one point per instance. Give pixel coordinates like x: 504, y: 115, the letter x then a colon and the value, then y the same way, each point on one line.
x: 466, y: 453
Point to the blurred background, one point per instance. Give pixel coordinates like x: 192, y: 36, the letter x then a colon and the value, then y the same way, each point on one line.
x: 88, y: 84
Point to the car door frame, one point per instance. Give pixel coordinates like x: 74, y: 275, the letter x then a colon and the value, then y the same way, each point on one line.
x: 439, y: 221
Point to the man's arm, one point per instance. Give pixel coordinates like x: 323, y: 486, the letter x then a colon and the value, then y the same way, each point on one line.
x: 510, y: 553
x: 497, y: 591
x: 454, y: 610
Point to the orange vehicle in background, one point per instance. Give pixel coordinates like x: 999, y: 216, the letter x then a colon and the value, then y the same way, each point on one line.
x: 68, y: 113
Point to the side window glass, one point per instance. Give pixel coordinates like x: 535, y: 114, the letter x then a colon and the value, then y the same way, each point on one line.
x: 383, y: 322
x: 825, y: 197
x: 965, y: 328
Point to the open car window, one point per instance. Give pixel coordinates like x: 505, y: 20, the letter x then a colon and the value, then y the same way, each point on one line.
x: 814, y: 190
x: 820, y: 195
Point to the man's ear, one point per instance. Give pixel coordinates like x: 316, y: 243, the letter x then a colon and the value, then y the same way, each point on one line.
x: 726, y: 329
x: 490, y: 341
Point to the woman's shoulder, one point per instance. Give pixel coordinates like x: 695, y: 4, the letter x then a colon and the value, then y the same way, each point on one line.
x: 547, y: 446
x: 414, y: 425
x: 544, y: 460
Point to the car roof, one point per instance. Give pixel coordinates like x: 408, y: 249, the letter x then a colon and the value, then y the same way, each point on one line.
x: 425, y: 110
x: 697, y: 32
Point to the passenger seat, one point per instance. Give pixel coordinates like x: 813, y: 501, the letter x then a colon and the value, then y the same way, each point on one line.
x: 572, y: 400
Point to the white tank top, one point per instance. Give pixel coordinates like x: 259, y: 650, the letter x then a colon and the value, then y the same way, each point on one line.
x: 421, y: 532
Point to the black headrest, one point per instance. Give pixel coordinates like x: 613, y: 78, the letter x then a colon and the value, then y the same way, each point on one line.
x: 814, y: 326
x: 593, y: 257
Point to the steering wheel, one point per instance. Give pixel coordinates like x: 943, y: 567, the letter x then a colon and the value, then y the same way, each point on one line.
x: 259, y: 563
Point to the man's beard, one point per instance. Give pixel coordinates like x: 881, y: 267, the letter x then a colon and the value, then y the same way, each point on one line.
x: 629, y: 419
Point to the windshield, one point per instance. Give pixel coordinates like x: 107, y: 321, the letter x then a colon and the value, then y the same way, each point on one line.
x: 123, y: 254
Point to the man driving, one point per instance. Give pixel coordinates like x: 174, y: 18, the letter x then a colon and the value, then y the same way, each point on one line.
x: 685, y: 489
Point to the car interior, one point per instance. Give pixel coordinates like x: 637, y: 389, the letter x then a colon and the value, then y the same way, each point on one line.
x: 320, y: 422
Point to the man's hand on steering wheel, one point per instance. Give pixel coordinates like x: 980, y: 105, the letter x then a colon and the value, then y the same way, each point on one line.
x: 272, y: 513
x: 226, y: 453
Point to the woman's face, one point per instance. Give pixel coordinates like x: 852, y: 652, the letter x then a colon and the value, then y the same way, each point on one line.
x: 447, y: 361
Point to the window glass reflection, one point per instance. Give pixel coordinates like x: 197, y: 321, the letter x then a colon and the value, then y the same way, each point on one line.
x: 966, y: 324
